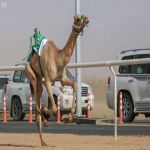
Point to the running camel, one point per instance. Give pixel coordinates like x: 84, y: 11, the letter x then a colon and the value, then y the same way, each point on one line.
x: 52, y: 66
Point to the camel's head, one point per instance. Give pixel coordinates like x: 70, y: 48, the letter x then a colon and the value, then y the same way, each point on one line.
x: 80, y: 22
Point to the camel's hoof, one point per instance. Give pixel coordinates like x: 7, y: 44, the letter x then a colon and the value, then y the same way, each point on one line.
x: 45, y: 113
x: 54, y: 109
x: 70, y: 117
x: 45, y: 110
x: 45, y: 123
x: 43, y: 143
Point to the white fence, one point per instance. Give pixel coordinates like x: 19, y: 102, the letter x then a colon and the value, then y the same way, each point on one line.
x: 110, y: 64
x: 87, y: 65
x: 96, y: 64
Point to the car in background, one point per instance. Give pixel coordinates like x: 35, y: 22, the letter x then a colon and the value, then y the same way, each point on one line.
x: 134, y: 83
x: 18, y: 91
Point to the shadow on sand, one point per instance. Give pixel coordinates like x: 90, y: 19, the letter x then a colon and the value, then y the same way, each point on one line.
x: 25, y: 146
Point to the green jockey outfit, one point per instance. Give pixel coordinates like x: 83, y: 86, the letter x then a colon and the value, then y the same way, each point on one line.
x: 39, y: 42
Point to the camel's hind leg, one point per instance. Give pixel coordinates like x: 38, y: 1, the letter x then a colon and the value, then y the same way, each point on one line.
x: 39, y: 90
x: 33, y: 81
x: 73, y: 84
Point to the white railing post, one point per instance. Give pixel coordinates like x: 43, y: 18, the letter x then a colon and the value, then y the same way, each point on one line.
x: 78, y: 70
x: 115, y: 100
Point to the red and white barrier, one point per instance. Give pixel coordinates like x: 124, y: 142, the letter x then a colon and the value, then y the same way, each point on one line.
x: 121, y: 114
x: 4, y: 105
x: 5, y: 114
x: 30, y: 109
x: 58, y: 109
x: 88, y: 108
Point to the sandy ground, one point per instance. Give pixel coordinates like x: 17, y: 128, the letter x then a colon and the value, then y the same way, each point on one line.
x: 72, y: 142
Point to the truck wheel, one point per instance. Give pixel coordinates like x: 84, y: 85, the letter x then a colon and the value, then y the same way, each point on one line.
x: 16, y: 109
x: 128, y: 108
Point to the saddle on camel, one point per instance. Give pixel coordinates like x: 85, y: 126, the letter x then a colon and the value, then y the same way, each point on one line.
x: 46, y: 60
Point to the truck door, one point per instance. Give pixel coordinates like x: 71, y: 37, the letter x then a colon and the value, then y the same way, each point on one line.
x: 143, y: 83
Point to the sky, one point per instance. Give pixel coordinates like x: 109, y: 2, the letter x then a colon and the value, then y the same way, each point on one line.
x: 115, y: 25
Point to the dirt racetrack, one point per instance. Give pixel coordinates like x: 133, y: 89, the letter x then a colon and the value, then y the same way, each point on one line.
x: 73, y: 142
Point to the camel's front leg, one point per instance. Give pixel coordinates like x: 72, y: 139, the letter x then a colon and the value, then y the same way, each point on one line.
x: 49, y: 91
x: 73, y: 84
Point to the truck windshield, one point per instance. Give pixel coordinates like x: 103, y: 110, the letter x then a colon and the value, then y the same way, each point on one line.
x: 137, y: 68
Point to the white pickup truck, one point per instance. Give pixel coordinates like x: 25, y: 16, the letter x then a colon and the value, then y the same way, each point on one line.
x: 18, y: 91
x: 134, y: 83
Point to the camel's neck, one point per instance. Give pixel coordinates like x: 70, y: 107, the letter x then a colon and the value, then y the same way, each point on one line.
x: 69, y: 47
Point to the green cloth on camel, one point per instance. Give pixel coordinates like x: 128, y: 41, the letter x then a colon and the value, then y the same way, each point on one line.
x: 38, y: 37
